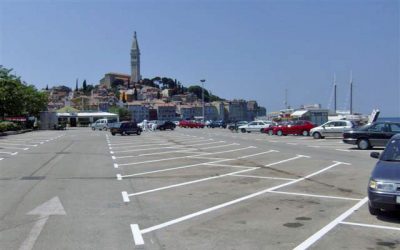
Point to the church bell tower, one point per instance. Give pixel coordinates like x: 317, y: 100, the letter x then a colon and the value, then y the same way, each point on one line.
x: 135, y: 60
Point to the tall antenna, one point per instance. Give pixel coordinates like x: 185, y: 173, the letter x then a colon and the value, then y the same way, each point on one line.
x: 351, y: 92
x: 334, y: 92
x: 286, y: 105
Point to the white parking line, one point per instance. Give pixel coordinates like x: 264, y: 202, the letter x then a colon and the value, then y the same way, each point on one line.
x: 13, y: 148
x: 9, y: 153
x: 290, y: 159
x: 317, y: 196
x: 221, y: 146
x: 170, y: 169
x: 137, y: 235
x: 190, y: 182
x: 158, y: 153
x: 344, y: 150
x: 1, y: 159
x: 17, y: 144
x: 370, y: 226
x: 208, y: 210
x: 315, y: 237
x: 263, y: 177
x: 201, y: 144
x: 182, y: 157
x: 147, y: 149
x: 136, y: 145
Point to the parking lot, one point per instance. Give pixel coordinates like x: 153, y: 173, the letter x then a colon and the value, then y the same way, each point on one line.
x: 213, y: 189
x: 192, y: 189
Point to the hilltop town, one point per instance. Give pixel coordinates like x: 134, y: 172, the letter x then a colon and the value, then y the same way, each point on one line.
x: 159, y: 98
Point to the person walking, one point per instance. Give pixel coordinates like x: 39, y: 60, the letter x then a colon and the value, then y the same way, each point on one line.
x: 154, y: 126
x: 145, y: 125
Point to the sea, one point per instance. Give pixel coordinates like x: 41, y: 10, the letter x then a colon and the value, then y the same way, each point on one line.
x: 389, y: 119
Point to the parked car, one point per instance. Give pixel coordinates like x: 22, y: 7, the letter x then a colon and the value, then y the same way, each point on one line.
x: 125, y: 128
x: 190, y: 124
x: 270, y: 129
x: 254, y: 126
x: 235, y: 125
x: 371, y: 135
x: 101, y: 124
x: 166, y: 125
x: 331, y: 129
x: 217, y: 124
x: 299, y: 127
x: 384, y: 183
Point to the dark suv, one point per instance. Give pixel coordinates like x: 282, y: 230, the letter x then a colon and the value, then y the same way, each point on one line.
x: 125, y: 128
x: 217, y: 124
x: 167, y: 125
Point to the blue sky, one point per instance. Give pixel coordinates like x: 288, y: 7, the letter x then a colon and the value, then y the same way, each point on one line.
x: 244, y: 49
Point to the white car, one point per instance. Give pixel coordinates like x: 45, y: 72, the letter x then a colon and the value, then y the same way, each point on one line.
x: 255, y: 126
x: 101, y: 124
x: 331, y: 129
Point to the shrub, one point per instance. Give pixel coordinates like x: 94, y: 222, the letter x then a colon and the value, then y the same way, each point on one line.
x: 8, y: 126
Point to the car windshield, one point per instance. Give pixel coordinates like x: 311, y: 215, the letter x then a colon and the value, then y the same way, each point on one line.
x: 392, y: 151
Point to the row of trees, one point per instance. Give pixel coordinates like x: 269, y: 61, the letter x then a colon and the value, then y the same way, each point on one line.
x: 17, y: 98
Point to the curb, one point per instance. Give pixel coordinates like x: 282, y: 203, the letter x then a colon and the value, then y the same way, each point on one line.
x: 15, y: 132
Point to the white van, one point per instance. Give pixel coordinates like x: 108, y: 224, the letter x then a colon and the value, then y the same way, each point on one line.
x: 101, y: 124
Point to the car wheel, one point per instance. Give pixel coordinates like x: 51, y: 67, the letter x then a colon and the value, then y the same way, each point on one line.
x: 262, y: 130
x: 305, y: 133
x: 138, y: 132
x: 270, y: 132
x: 317, y: 135
x: 363, y: 144
x: 372, y: 210
x: 93, y: 129
x: 279, y: 133
x: 243, y: 130
x: 113, y: 134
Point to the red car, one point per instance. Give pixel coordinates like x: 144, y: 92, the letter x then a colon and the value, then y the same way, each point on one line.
x: 270, y: 129
x: 294, y: 128
x: 190, y: 124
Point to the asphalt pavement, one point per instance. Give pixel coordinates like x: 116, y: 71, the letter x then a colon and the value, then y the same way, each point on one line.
x: 186, y: 189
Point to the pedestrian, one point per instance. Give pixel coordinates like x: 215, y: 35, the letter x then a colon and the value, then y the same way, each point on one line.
x: 154, y: 126
x: 145, y: 125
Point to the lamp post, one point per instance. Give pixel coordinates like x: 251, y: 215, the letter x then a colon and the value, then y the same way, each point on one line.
x: 202, y: 96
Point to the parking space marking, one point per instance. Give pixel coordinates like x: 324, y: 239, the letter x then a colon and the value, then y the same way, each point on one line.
x: 315, y: 237
x: 17, y: 144
x: 229, y: 203
x: 201, y: 144
x: 9, y: 153
x: 343, y: 150
x: 317, y: 196
x: 191, y: 182
x: 266, y: 152
x: 226, y: 165
x: 182, y: 157
x: 146, y: 149
x: 370, y: 226
x: 2, y: 147
x: 290, y: 159
x: 135, y: 144
x: 170, y: 169
x: 263, y: 177
x: 1, y: 159
x: 221, y: 146
x: 137, y: 235
x: 158, y: 153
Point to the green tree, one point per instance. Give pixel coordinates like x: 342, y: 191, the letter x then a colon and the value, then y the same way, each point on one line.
x: 17, y: 98
x: 123, y: 113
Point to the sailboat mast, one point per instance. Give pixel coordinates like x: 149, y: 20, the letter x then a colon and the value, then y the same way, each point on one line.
x: 351, y: 92
x: 334, y: 92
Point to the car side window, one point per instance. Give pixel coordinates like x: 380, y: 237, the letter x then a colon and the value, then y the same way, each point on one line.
x: 395, y: 128
x: 377, y: 127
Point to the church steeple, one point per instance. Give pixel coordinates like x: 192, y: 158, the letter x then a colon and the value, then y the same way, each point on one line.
x: 135, y: 60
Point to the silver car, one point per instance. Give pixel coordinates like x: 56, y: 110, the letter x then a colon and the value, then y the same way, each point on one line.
x: 255, y: 126
x: 331, y: 129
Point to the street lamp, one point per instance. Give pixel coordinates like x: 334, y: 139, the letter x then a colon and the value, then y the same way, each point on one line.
x: 202, y: 95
